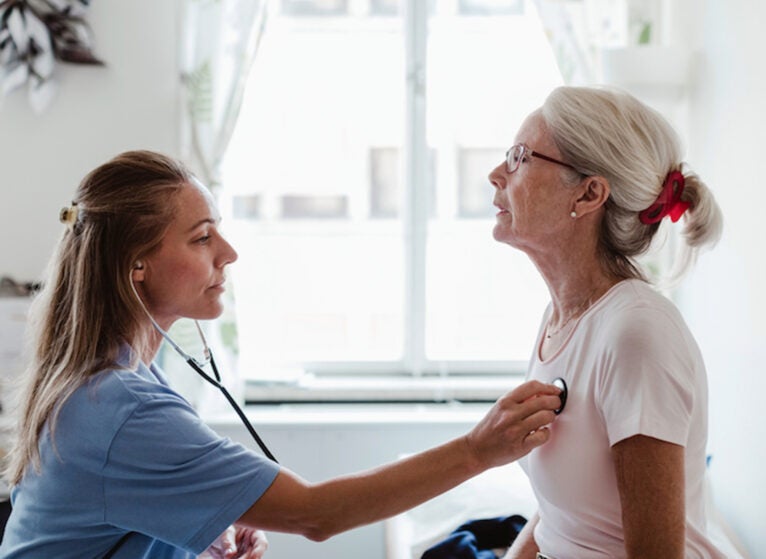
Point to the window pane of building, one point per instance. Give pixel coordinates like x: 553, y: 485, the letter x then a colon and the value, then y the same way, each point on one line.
x: 491, y: 7
x: 385, y: 182
x: 314, y: 7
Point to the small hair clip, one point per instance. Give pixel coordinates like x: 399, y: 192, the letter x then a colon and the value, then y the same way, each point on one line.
x: 68, y: 216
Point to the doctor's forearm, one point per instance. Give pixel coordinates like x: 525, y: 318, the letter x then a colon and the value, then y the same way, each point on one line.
x: 321, y: 510
x: 509, y: 430
x: 371, y: 496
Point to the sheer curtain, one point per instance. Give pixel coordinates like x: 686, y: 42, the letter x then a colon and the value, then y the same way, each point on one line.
x: 582, y: 32
x: 568, y: 43
x: 578, y: 30
x: 220, y: 42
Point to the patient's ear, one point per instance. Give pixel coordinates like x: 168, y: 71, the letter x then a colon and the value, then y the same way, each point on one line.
x: 593, y: 193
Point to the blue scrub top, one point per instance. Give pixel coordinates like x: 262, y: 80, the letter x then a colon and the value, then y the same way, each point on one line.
x: 131, y: 456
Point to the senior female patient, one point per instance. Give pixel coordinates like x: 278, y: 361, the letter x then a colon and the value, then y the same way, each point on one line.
x: 583, y: 191
x: 111, y: 462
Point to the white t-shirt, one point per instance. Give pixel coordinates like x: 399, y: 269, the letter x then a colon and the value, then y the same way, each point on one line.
x: 632, y: 367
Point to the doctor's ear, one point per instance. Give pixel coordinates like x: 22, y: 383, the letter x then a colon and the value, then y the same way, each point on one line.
x: 137, y: 273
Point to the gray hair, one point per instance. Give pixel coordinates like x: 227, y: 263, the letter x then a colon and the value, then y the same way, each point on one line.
x: 610, y: 133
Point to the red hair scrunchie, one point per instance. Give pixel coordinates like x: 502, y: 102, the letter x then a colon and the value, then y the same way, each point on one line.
x: 668, y: 202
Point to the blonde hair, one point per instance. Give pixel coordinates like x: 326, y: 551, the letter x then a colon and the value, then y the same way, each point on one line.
x: 610, y: 133
x: 87, y: 310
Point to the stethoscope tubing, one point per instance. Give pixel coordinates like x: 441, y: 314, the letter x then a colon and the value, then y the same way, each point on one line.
x: 197, y: 367
x: 217, y: 383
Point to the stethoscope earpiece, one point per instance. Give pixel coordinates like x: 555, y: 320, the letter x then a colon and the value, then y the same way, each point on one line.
x: 562, y: 385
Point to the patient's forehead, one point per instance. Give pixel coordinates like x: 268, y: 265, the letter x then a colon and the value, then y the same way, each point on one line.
x: 535, y: 133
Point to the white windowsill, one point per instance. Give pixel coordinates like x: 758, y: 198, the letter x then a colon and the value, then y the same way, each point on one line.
x: 324, y: 415
x: 384, y: 389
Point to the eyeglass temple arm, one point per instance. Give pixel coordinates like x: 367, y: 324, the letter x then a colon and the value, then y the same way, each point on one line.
x: 551, y: 159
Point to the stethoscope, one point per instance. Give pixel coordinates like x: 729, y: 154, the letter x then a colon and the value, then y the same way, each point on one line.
x: 561, y: 384
x: 215, y: 380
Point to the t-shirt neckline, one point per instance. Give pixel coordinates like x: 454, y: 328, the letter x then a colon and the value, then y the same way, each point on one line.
x: 590, y: 310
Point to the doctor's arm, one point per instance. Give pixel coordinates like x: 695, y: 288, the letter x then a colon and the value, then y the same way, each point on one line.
x: 650, y: 480
x: 512, y: 428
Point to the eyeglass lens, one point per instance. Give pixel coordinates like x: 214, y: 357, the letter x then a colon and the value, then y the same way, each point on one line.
x: 513, y: 157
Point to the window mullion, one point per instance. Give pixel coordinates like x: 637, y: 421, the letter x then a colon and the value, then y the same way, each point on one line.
x: 416, y: 192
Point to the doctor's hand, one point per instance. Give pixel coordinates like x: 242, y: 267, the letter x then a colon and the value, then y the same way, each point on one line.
x: 517, y: 423
x: 237, y: 543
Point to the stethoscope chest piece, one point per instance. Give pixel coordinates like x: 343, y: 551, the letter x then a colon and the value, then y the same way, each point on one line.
x: 562, y: 385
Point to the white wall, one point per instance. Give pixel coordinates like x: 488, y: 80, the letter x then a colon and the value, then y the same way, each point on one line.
x: 725, y: 300
x: 133, y: 103
x: 98, y: 112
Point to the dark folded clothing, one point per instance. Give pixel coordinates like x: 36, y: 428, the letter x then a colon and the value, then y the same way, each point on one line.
x: 477, y: 539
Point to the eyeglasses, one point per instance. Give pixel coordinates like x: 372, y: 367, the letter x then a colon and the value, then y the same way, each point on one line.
x: 517, y: 153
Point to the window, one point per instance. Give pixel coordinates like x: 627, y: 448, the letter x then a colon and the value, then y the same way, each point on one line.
x: 356, y: 195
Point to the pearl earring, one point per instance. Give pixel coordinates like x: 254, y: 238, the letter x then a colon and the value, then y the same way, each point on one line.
x: 573, y: 214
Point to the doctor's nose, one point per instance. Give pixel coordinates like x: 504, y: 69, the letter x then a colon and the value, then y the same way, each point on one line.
x: 228, y: 254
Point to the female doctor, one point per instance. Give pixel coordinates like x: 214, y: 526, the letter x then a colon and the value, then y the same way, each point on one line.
x: 109, y: 461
